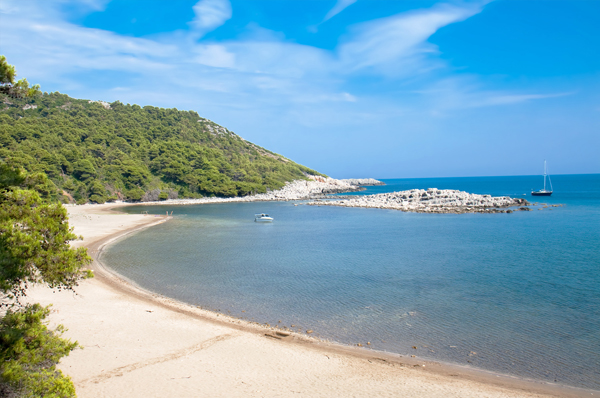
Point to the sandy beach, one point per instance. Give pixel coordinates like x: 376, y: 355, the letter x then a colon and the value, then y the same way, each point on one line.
x: 137, y: 344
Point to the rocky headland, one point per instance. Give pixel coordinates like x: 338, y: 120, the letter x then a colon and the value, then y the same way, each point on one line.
x: 432, y: 200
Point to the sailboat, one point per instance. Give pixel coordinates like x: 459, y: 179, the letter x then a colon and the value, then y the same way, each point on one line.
x: 544, y: 192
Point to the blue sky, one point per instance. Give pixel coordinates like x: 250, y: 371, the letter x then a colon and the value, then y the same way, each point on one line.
x: 352, y: 88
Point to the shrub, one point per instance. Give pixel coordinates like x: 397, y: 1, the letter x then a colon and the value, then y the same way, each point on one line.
x: 29, y: 352
x: 135, y: 194
x: 97, y: 199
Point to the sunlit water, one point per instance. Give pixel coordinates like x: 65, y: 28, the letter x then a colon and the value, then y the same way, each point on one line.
x: 515, y: 293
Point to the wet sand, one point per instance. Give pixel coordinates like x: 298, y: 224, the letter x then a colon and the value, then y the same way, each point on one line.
x: 139, y: 344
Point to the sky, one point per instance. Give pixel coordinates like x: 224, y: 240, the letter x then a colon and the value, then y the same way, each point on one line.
x: 351, y: 88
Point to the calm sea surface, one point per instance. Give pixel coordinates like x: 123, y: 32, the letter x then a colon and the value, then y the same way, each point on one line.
x: 514, y: 293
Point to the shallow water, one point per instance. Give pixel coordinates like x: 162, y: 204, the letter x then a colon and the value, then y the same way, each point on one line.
x: 516, y: 293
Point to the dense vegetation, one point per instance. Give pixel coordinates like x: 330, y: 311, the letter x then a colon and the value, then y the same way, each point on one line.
x: 29, y: 352
x: 34, y: 248
x: 34, y: 237
x: 95, y: 151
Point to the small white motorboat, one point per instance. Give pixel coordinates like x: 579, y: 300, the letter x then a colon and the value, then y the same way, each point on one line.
x: 262, y: 217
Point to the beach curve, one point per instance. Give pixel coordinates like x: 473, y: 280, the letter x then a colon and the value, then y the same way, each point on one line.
x: 137, y: 343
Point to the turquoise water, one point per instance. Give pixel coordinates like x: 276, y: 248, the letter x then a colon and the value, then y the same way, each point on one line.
x: 514, y: 293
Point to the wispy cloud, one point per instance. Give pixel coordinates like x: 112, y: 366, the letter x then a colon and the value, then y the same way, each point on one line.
x: 264, y: 71
x: 449, y: 95
x: 396, y: 45
x: 508, y: 99
x: 214, y: 55
x: 337, y: 8
x: 94, y: 5
x: 210, y: 14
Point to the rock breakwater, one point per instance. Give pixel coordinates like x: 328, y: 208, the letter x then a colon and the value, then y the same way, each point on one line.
x: 432, y: 200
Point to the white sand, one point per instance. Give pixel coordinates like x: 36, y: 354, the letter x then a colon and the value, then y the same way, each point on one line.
x: 137, y: 345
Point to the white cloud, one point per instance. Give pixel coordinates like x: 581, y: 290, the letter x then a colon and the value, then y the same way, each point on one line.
x: 95, y: 5
x: 285, y: 60
x: 338, y: 7
x: 8, y: 7
x: 445, y: 96
x: 506, y: 99
x: 397, y: 45
x: 262, y: 71
x: 348, y: 97
x: 261, y: 64
x: 210, y: 14
x: 214, y: 55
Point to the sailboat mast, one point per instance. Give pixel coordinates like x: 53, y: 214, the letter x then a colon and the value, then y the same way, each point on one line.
x: 544, y: 191
x: 544, y: 174
x: 550, y: 181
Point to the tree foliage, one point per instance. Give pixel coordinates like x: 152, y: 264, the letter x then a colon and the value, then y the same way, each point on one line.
x: 7, y: 71
x: 34, y: 248
x: 29, y: 353
x: 9, y: 86
x: 34, y: 237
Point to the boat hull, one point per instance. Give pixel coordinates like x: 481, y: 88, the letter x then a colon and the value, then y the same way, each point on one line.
x: 541, y: 193
x: 263, y: 220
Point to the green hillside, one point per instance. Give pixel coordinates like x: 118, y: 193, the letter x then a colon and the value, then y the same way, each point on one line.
x: 96, y: 152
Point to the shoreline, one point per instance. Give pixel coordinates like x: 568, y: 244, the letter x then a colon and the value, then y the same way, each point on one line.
x: 440, y: 374
x: 316, y: 192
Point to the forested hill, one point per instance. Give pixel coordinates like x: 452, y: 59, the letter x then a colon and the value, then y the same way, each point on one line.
x: 95, y: 151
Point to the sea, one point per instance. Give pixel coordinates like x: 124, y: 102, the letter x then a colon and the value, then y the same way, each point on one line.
x: 516, y: 294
